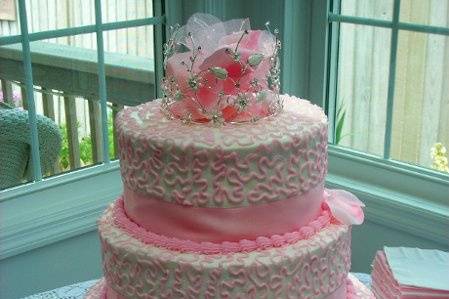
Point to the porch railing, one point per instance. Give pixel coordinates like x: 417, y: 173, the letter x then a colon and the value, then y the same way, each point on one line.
x: 70, y: 75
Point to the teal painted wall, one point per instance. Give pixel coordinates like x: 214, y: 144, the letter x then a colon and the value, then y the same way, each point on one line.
x: 370, y: 237
x: 59, y: 264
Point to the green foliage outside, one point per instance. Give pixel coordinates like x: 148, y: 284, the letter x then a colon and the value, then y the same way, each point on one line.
x: 438, y: 153
x: 85, y: 145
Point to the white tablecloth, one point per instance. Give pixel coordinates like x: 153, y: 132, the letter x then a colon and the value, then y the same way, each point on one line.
x: 78, y: 290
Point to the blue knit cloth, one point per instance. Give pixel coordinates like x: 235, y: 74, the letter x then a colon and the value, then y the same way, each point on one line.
x: 15, y: 145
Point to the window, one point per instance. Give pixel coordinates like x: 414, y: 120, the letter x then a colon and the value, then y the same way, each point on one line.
x: 389, y: 82
x: 364, y: 43
x: 69, y: 67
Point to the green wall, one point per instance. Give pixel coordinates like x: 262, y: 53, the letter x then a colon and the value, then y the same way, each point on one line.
x: 370, y: 237
x: 59, y: 264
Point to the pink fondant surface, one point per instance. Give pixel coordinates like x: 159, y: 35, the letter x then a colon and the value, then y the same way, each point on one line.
x: 223, y: 224
x: 183, y: 244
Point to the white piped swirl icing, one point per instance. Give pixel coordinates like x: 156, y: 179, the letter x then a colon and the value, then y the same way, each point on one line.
x: 230, y: 166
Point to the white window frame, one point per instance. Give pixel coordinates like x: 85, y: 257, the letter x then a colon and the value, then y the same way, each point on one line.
x: 399, y: 195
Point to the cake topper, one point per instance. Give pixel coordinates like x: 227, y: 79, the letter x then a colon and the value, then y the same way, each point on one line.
x: 220, y: 72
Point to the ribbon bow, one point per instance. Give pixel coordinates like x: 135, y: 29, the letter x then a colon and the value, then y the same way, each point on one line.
x: 344, y: 206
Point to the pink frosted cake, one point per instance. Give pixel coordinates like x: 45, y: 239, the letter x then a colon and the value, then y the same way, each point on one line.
x: 224, y: 182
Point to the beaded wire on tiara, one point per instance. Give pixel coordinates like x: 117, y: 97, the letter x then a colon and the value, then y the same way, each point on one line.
x: 221, y: 72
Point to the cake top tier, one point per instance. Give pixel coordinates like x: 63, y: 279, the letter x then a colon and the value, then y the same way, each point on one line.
x: 232, y: 165
x: 298, y: 120
x: 221, y: 71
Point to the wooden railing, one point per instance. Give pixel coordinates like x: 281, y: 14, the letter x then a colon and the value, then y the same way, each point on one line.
x: 71, y: 124
x: 67, y: 75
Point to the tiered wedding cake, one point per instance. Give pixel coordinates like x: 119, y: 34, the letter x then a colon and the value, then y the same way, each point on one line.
x: 224, y: 182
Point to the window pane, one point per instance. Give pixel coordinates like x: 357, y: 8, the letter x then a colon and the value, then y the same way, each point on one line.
x: 421, y: 104
x: 65, y: 81
x: 65, y: 69
x: 67, y: 90
x: 429, y: 12
x: 379, y: 9
x: 9, y: 18
x: 136, y: 41
x: 362, y: 87
x: 56, y: 14
x: 122, y: 10
x: 130, y: 53
x: 15, y: 141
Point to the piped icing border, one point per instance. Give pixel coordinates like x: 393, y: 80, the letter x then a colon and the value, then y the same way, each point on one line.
x: 263, y: 242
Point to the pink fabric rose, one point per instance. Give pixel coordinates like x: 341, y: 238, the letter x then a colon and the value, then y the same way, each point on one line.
x: 344, y: 206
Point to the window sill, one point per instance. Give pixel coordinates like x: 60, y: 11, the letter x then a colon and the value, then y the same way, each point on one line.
x: 69, y: 205
x: 407, y: 198
x: 56, y: 208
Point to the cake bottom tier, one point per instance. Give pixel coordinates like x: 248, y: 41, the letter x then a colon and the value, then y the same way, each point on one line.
x: 316, y: 267
x: 353, y: 289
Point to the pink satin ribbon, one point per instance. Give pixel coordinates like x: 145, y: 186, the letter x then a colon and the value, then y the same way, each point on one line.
x: 223, y: 224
